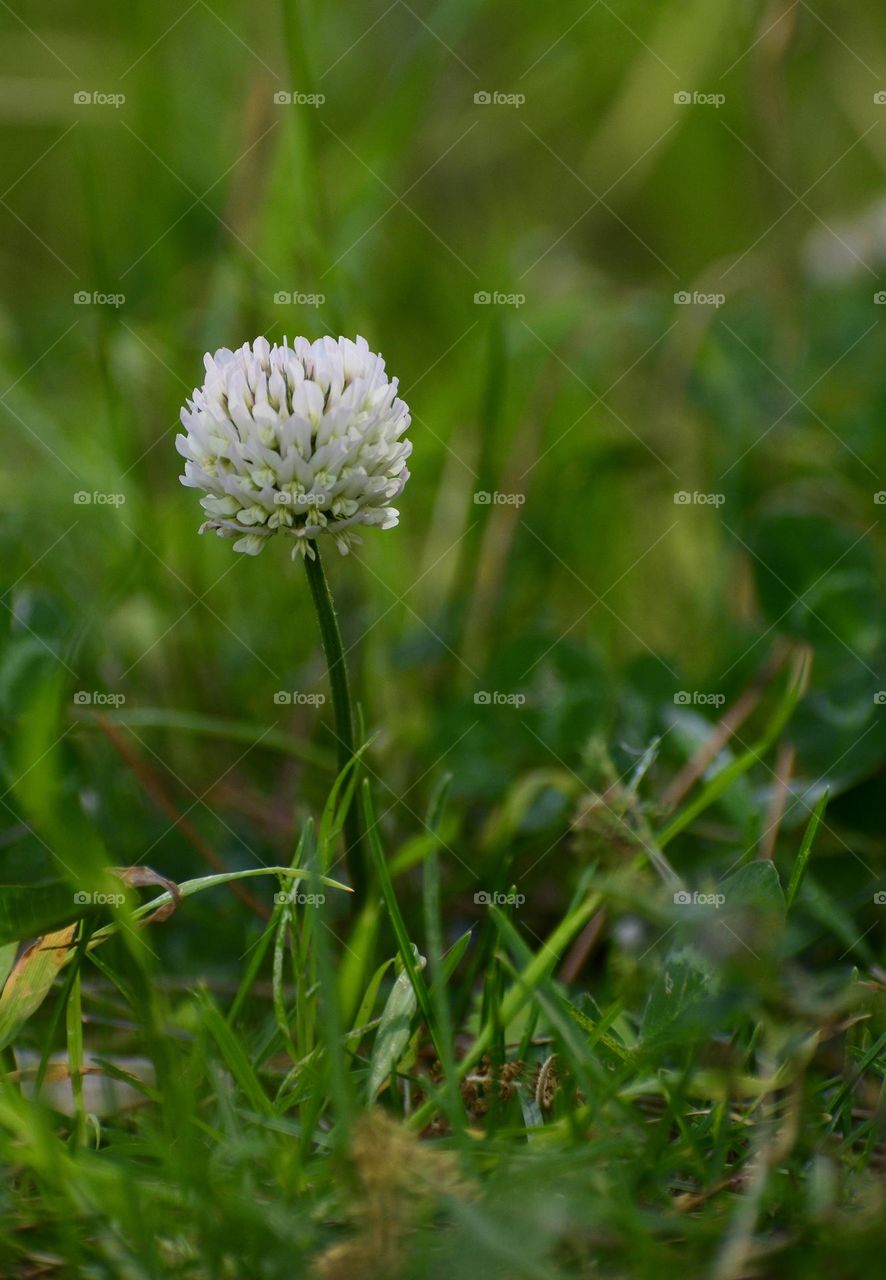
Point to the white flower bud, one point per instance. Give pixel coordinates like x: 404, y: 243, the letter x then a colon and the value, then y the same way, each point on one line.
x: 301, y: 441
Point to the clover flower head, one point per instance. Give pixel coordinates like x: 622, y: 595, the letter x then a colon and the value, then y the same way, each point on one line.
x: 300, y: 440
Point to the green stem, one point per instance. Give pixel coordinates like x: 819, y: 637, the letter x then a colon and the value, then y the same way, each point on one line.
x: 341, y: 705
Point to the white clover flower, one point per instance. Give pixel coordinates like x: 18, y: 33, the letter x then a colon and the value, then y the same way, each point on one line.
x: 301, y: 440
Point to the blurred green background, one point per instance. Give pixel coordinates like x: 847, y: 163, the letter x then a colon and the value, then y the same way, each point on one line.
x: 428, y: 154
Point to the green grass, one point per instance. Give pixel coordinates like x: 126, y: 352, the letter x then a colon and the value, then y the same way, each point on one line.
x: 517, y: 1051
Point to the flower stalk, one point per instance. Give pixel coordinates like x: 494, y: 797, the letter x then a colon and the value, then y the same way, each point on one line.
x: 301, y: 442
x: 342, y: 706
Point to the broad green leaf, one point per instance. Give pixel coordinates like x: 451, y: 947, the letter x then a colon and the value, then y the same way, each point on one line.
x: 823, y: 907
x: 31, y: 979
x: 29, y: 910
x: 755, y: 886
x: 681, y: 988
x: 839, y: 608
x: 393, y: 1032
x: 750, y: 918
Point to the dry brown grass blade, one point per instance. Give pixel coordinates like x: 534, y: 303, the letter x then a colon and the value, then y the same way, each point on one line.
x: 137, y: 877
x: 105, y: 1093
x: 582, y: 947
x: 727, y: 726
